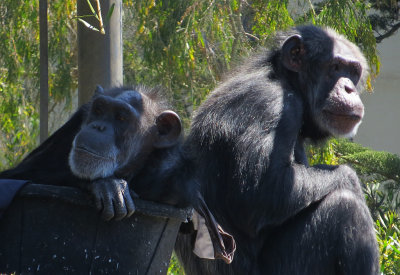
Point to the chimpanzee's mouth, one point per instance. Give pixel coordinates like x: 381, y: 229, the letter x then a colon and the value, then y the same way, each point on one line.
x: 84, y: 150
x: 343, y: 116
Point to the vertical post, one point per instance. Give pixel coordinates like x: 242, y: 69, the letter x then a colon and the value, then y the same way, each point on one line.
x: 44, y: 84
x: 99, y: 55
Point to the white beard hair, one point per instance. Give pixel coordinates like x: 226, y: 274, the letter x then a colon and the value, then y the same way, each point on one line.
x: 92, y: 170
x: 352, y: 133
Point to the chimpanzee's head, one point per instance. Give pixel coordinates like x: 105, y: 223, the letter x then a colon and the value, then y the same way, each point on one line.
x: 329, y: 71
x: 122, y: 124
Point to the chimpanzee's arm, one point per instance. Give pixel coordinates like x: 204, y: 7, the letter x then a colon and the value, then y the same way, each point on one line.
x: 299, y: 153
x: 48, y: 163
x: 298, y: 186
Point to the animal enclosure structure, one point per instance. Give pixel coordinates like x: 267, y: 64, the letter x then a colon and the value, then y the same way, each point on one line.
x: 55, y: 229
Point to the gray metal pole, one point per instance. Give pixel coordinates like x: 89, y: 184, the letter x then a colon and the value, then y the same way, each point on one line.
x: 99, y: 55
x: 44, y: 84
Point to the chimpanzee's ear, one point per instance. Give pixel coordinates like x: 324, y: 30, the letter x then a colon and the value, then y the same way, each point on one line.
x: 99, y: 90
x: 169, y: 129
x: 293, y: 52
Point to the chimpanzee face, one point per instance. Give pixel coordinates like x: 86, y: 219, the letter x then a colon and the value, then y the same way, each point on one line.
x: 119, y: 126
x: 108, y: 136
x: 331, y: 82
x: 343, y: 110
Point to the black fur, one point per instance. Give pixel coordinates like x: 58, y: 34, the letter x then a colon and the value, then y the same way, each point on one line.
x: 247, y: 142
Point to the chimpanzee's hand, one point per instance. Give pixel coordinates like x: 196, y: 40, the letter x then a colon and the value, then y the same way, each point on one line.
x: 113, y: 198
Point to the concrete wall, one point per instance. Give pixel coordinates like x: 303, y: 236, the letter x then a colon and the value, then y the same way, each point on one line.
x: 380, y: 129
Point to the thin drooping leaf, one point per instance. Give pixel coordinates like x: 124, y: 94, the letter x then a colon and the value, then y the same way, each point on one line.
x: 88, y: 25
x: 92, y: 9
x: 109, y: 13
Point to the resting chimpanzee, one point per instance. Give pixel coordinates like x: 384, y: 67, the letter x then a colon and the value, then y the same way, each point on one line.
x: 247, y: 141
x: 111, y: 138
x: 124, y: 135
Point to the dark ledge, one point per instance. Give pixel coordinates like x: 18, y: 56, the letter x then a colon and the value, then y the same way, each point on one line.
x: 78, y: 197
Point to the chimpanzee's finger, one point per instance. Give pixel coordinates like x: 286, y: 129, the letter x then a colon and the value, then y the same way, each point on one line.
x: 130, y: 205
x: 119, y: 206
x: 108, y: 209
x: 98, y: 201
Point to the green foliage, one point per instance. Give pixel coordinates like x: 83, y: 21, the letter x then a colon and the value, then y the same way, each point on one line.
x: 270, y: 16
x: 19, y: 59
x: 368, y: 161
x: 322, y: 154
x: 379, y: 173
x: 174, y: 266
x: 17, y: 119
x: 388, y: 233
x: 19, y: 71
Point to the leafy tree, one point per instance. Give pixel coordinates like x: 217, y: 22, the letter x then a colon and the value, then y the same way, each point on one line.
x: 383, y: 15
x: 384, y: 18
x: 19, y: 71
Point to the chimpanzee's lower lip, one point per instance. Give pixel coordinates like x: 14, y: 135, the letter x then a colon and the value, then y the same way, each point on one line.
x: 87, y: 151
x: 350, y: 116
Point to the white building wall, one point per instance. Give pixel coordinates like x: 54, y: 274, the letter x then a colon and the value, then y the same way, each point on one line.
x: 380, y: 129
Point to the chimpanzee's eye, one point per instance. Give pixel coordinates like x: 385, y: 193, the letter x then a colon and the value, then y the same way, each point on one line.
x: 98, y: 111
x: 121, y: 117
x: 356, y: 69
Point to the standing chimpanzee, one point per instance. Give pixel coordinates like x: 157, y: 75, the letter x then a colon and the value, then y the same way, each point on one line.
x: 124, y: 139
x: 247, y: 142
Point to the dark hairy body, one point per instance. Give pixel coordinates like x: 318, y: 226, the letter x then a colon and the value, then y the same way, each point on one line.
x: 247, y: 142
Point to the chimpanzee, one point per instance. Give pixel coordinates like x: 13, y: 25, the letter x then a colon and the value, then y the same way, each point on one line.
x: 124, y: 139
x: 247, y: 140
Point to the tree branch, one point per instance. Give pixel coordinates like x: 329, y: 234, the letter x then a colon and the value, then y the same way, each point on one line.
x: 388, y: 34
